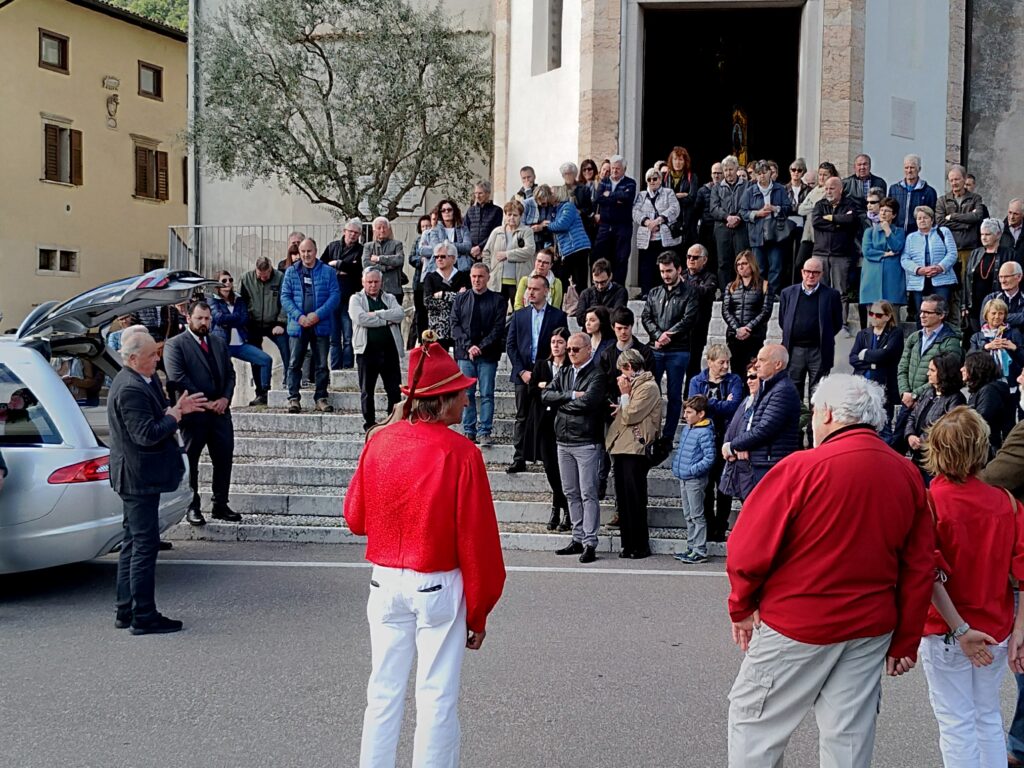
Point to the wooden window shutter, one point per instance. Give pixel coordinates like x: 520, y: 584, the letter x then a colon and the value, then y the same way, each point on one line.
x: 162, y: 181
x: 51, y: 138
x: 142, y: 172
x: 76, y: 158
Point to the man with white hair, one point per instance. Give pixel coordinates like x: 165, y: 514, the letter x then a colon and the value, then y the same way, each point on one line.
x: 730, y: 231
x: 1010, y: 274
x: 831, y: 565
x: 386, y: 254
x: 482, y: 218
x: 911, y: 192
x: 346, y: 257
x: 615, y: 197
x: 145, y: 461
x: 1013, y: 227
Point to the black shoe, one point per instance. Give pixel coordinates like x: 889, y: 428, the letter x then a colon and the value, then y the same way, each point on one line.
x: 516, y: 466
x: 123, y: 620
x: 625, y: 554
x: 165, y: 545
x: 260, y: 399
x: 574, y: 548
x: 195, y: 517
x: 566, y: 524
x: 589, y: 555
x: 640, y: 555
x: 226, y: 513
x: 161, y: 625
x: 553, y: 520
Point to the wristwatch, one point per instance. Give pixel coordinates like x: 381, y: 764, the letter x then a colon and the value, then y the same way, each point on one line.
x: 960, y: 631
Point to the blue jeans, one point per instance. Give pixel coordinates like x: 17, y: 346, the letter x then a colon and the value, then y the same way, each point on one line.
x: 318, y: 346
x: 674, y: 364
x: 341, y: 338
x: 258, y: 359
x: 485, y: 371
x: 769, y: 261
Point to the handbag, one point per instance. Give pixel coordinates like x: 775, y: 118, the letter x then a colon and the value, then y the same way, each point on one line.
x: 658, y: 450
x: 778, y: 229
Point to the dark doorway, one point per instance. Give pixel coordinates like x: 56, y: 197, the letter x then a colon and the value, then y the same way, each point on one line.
x: 701, y: 66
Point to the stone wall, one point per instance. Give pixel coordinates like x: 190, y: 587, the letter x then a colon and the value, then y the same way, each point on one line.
x: 842, y: 82
x: 996, y: 113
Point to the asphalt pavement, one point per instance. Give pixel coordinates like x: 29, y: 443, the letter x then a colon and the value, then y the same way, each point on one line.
x: 613, y: 664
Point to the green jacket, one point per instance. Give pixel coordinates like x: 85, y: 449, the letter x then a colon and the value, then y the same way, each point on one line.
x: 264, y: 299
x: 912, y: 374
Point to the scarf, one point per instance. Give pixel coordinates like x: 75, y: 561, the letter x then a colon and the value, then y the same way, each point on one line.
x: 1001, y: 356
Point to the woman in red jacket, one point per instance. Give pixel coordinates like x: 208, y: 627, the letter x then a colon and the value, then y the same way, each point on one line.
x: 971, y: 629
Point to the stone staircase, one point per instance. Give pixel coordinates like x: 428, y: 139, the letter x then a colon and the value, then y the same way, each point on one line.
x: 291, y: 472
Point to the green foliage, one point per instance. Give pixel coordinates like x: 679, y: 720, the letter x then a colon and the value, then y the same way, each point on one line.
x: 173, y: 13
x: 353, y: 103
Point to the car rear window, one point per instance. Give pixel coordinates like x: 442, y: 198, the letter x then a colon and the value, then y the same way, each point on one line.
x: 23, y: 419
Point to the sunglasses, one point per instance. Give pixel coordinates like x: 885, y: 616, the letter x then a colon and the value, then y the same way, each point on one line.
x: 447, y: 210
x: 877, y: 314
x: 873, y: 202
x: 575, y: 349
x: 751, y: 376
x: 226, y: 280
x: 797, y: 170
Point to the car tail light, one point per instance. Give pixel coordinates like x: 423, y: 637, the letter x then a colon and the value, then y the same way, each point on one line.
x: 150, y: 282
x: 85, y: 472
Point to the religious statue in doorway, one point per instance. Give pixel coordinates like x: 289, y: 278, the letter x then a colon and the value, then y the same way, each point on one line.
x: 739, y: 135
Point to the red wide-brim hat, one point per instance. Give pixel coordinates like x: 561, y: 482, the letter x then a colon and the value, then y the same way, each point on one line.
x: 438, y: 375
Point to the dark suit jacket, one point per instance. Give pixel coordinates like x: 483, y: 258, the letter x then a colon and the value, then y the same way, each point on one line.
x: 187, y: 366
x: 1007, y: 241
x: 1006, y: 470
x: 144, y: 455
x: 520, y: 336
x: 830, y: 320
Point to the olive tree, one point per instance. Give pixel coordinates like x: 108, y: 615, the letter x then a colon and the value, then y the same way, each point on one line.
x: 360, y: 105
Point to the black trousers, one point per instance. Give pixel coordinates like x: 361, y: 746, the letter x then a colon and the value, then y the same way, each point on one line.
x: 217, y: 434
x: 631, y: 497
x: 614, y: 242
x: 136, y: 565
x: 698, y: 340
x: 519, y: 428
x: 648, y: 275
x: 717, y: 505
x: 576, y: 267
x: 378, y: 361
x: 805, y: 368
x: 743, y: 352
x: 549, y: 458
x: 729, y: 242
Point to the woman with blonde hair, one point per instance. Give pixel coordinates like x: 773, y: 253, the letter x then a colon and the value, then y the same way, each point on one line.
x: 973, y: 627
x: 746, y: 309
x: 510, y: 250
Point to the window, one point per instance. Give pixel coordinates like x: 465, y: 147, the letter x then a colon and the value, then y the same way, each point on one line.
x: 547, y: 36
x: 58, y: 261
x: 62, y: 154
x: 151, y: 81
x: 149, y: 263
x: 25, y: 421
x: 53, y: 51
x: 151, y: 180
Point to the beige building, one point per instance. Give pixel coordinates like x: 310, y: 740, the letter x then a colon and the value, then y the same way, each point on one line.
x: 91, y: 147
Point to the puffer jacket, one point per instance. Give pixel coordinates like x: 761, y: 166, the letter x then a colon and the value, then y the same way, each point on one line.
x: 941, y: 252
x: 661, y: 204
x: 696, y: 451
x: 726, y: 201
x: 580, y: 421
x: 912, y: 373
x: 639, y: 422
x: 673, y: 311
x: 481, y: 220
x: 326, y: 296
x: 747, y: 306
x: 964, y: 218
x: 567, y: 227
x: 224, y: 319
x: 909, y: 199
x: 774, y: 427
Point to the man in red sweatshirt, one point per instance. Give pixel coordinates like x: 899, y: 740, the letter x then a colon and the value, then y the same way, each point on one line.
x: 421, y: 497
x: 831, y: 567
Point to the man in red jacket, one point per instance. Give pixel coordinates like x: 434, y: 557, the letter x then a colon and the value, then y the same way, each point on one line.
x: 831, y: 566
x: 432, y: 537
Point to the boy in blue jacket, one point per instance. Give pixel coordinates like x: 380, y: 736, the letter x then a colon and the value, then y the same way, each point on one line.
x: 692, y: 464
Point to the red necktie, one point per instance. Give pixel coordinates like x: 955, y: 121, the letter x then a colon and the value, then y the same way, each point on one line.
x: 204, y: 346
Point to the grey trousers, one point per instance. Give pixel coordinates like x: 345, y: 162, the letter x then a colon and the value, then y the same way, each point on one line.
x: 580, y: 467
x: 780, y: 679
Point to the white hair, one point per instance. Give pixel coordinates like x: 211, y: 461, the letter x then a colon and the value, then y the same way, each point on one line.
x: 851, y: 399
x: 133, y: 339
x: 914, y: 160
x: 447, y: 247
x: 959, y: 169
x: 992, y: 226
x: 617, y: 159
x: 730, y: 161
x: 382, y: 220
x: 484, y: 185
x: 565, y: 168
x: 371, y: 269
x: 357, y: 223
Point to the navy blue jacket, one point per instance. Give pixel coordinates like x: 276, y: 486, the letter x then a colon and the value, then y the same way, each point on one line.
x: 224, y: 319
x: 774, y: 431
x: 830, y: 320
x: 921, y: 194
x: 616, y: 208
x: 493, y: 307
x: 481, y: 221
x: 520, y: 336
x: 881, y: 363
x: 753, y: 201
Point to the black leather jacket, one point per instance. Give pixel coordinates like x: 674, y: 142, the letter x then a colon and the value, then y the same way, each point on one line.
x: 580, y: 421
x: 747, y: 306
x: 705, y: 283
x: 673, y: 311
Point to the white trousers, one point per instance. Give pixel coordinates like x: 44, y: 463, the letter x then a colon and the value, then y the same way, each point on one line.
x: 965, y: 700
x: 424, y: 614
x: 780, y: 679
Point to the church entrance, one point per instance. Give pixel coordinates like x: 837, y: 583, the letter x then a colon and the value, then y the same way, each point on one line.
x: 721, y: 82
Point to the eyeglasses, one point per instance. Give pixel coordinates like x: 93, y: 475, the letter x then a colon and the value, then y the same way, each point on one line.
x: 811, y: 271
x: 575, y: 349
x: 877, y: 314
x: 443, y: 256
x: 601, y: 283
x: 751, y: 376
x: 447, y: 210
x: 653, y: 178
x: 927, y: 312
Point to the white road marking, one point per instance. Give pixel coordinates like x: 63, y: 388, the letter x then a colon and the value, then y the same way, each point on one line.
x: 509, y: 568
